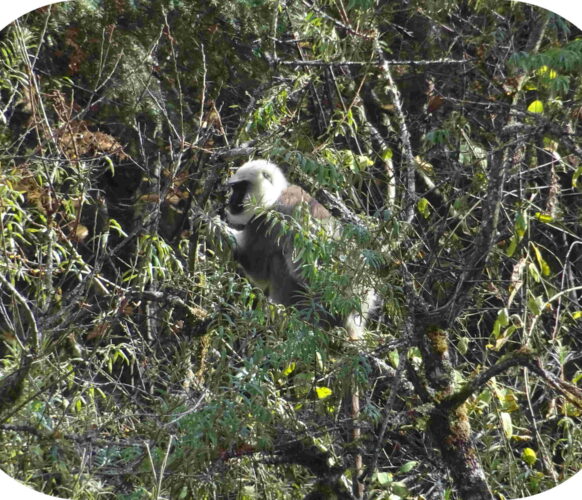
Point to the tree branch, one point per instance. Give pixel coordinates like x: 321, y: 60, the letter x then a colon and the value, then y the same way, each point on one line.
x: 387, y: 62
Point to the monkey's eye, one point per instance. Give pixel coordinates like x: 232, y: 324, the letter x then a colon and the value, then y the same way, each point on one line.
x: 267, y: 176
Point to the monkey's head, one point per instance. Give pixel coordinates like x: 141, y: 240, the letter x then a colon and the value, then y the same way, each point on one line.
x: 256, y: 183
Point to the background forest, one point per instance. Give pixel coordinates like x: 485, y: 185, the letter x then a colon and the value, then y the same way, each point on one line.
x: 137, y: 362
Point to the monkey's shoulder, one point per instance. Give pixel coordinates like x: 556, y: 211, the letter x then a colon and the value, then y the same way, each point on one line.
x: 294, y: 196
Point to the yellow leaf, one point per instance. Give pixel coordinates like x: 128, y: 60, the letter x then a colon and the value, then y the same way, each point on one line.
x: 545, y: 71
x: 536, y: 107
x: 529, y: 456
x: 577, y: 315
x: 545, y: 268
x: 543, y: 217
x: 523, y: 438
x: 510, y: 402
x: 323, y: 392
x: 289, y: 370
x: 386, y: 154
x: 81, y: 232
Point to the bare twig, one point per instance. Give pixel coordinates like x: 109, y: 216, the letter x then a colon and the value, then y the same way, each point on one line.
x: 410, y: 164
x: 387, y: 62
x: 36, y: 335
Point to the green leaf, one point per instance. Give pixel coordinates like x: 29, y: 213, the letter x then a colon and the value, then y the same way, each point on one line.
x: 536, y: 107
x: 521, y: 224
x: 394, y: 358
x: 533, y: 272
x: 501, y: 321
x: 384, y: 478
x: 463, y: 345
x: 408, y: 466
x: 386, y: 154
x: 400, y: 489
x: 423, y: 207
x: 575, y: 177
x: 509, y: 401
x: 535, y: 304
x: 512, y: 246
x: 504, y: 337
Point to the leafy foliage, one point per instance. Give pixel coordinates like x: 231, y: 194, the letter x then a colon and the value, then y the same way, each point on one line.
x: 136, y: 362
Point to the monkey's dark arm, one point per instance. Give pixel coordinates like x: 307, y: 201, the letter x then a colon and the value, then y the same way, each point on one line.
x: 215, y: 229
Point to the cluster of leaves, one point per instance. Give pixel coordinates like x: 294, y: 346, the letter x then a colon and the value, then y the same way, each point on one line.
x: 135, y: 361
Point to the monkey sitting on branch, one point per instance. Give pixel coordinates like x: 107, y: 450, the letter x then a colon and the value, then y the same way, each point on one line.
x: 261, y: 202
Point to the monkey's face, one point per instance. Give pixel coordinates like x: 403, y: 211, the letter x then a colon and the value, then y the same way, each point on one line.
x: 246, y: 196
x: 255, y: 184
x: 236, y: 203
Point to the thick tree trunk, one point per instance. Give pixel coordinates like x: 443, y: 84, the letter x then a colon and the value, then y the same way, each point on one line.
x: 449, y: 425
x: 452, y: 432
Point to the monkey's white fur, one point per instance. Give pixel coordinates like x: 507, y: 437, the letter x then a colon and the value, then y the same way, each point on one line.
x: 267, y: 184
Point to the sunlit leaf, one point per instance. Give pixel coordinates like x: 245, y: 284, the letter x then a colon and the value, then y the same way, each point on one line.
x: 545, y: 71
x: 386, y: 154
x: 545, y: 268
x: 384, y: 478
x: 529, y: 456
x: 323, y: 392
x: 423, y: 207
x: 506, y: 424
x: 543, y: 217
x: 536, y: 107
x: 289, y: 370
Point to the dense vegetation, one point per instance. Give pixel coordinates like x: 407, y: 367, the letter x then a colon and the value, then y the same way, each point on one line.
x: 135, y: 360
